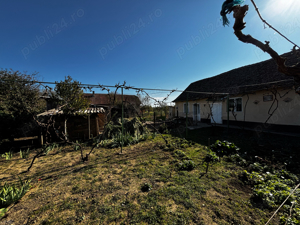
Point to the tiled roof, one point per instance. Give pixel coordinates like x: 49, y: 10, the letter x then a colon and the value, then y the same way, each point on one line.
x: 103, y: 99
x: 250, y: 78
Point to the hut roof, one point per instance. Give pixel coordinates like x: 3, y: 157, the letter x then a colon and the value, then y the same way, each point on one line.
x: 59, y: 111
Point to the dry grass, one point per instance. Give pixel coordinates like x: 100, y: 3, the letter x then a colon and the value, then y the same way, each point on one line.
x: 107, y: 188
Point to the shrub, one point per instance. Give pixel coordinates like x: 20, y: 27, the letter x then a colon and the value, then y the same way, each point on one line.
x: 181, y: 154
x: 187, y: 165
x: 271, y: 189
x: 224, y: 148
x: 211, y: 157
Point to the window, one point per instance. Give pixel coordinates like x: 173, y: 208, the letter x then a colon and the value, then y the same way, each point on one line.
x: 186, y: 108
x: 235, y: 104
x: 268, y: 98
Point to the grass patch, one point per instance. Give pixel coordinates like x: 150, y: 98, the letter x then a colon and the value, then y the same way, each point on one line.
x: 108, y: 188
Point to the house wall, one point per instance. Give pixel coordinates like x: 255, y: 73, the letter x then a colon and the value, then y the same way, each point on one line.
x: 287, y: 113
x: 204, y: 109
x: 171, y: 112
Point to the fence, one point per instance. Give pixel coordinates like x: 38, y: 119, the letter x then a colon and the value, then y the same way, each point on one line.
x: 212, y: 108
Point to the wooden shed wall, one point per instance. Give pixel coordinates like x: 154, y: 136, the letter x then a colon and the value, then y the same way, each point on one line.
x: 78, y: 126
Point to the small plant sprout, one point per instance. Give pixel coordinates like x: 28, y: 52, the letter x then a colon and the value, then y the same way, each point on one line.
x: 24, y: 154
x: 8, y: 155
x: 210, y: 157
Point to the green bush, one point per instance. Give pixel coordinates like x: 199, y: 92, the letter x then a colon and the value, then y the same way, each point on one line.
x: 181, y: 154
x: 271, y: 189
x: 187, y: 165
x: 224, y: 148
x: 211, y: 157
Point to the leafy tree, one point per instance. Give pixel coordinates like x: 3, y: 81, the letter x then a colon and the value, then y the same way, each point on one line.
x: 19, y: 102
x: 69, y: 95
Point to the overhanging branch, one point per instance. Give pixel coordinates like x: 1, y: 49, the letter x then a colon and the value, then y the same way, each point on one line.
x: 239, y: 12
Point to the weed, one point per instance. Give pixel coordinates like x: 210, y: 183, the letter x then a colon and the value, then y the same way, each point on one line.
x: 11, y: 194
x: 7, y: 155
x: 24, y: 154
x: 187, y: 165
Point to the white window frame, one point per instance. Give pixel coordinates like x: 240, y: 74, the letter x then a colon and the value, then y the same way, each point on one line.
x: 235, y: 104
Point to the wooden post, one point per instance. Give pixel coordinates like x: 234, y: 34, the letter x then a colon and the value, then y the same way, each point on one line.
x: 89, y: 125
x: 154, y: 119
x: 97, y: 123
x: 42, y: 139
x: 122, y: 123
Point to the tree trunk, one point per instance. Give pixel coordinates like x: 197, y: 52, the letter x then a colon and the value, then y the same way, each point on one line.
x: 66, y: 138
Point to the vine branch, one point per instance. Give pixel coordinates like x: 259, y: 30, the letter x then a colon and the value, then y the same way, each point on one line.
x: 239, y: 12
x: 270, y: 25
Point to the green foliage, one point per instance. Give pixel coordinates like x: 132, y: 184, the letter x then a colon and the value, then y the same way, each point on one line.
x: 48, y: 148
x: 146, y: 187
x: 179, y: 153
x: 20, y: 101
x: 163, y: 128
x: 2, y: 212
x: 237, y: 159
x: 24, y: 154
x: 224, y: 148
x: 271, y: 189
x: 187, y: 165
x: 7, y: 155
x: 11, y: 194
x: 134, y: 127
x: 76, y: 147
x: 70, y: 95
x: 127, y: 140
x: 211, y: 157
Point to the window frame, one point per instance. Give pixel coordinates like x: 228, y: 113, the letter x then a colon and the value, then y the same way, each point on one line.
x: 266, y: 98
x: 235, y: 104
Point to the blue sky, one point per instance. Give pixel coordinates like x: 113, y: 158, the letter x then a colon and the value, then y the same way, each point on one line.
x: 152, y: 44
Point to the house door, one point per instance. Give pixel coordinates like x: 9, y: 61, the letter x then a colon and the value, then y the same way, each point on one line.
x: 216, y: 110
x: 196, y: 114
